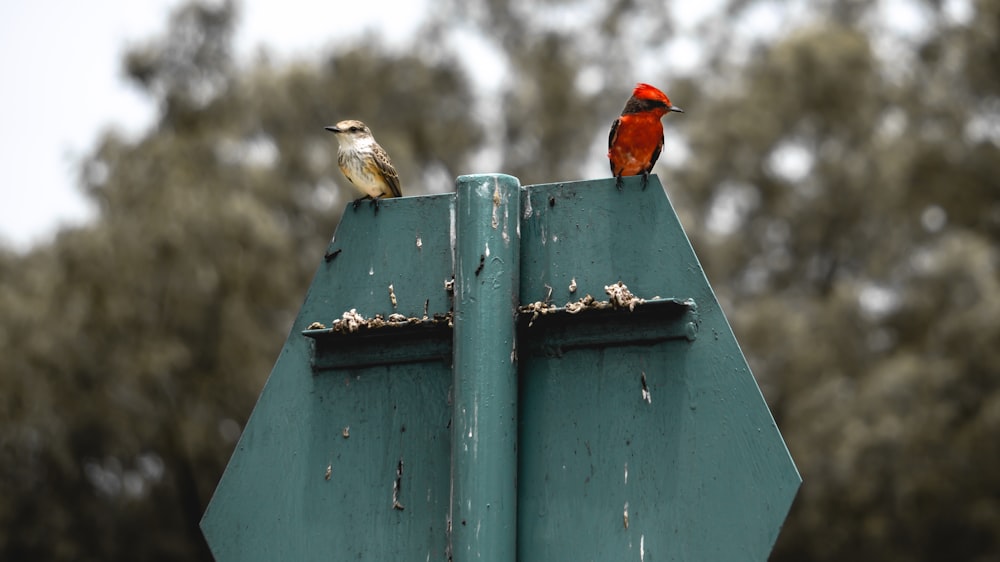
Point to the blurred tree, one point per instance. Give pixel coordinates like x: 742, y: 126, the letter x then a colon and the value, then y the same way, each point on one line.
x: 568, y: 69
x: 844, y: 197
x: 133, y: 348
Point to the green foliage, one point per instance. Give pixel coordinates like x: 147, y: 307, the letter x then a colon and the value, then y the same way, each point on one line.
x: 841, y: 190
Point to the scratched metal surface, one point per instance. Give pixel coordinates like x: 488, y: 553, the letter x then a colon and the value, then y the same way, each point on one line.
x: 655, y: 452
x: 484, y: 446
x: 661, y: 451
x: 296, y: 488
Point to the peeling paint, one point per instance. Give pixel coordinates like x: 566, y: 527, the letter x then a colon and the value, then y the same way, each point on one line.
x: 496, y: 205
x: 505, y: 233
x: 397, y: 486
x: 451, y: 232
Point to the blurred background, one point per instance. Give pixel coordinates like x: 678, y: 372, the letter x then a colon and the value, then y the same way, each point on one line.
x: 837, y: 170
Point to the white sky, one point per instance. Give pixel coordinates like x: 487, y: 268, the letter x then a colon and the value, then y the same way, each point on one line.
x: 61, y: 62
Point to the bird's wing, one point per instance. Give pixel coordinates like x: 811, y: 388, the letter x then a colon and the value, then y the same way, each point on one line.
x: 388, y: 172
x: 614, y: 132
x: 611, y: 139
x: 655, y: 155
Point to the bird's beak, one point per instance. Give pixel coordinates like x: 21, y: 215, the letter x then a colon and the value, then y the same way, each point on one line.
x: 332, y: 129
x: 671, y: 108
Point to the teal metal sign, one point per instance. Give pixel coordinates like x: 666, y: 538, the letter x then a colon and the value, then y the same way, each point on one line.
x: 508, y: 373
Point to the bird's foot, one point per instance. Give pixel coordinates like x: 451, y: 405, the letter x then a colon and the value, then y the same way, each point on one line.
x: 620, y: 183
x: 645, y: 180
x: 359, y: 200
x: 375, y: 203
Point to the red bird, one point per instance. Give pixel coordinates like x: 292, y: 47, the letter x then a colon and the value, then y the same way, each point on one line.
x: 636, y: 137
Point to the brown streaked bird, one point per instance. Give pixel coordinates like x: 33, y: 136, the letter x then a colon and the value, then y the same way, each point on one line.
x: 636, y: 137
x: 365, y: 164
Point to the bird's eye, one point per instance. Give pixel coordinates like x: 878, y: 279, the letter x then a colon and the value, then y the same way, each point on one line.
x: 354, y: 129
